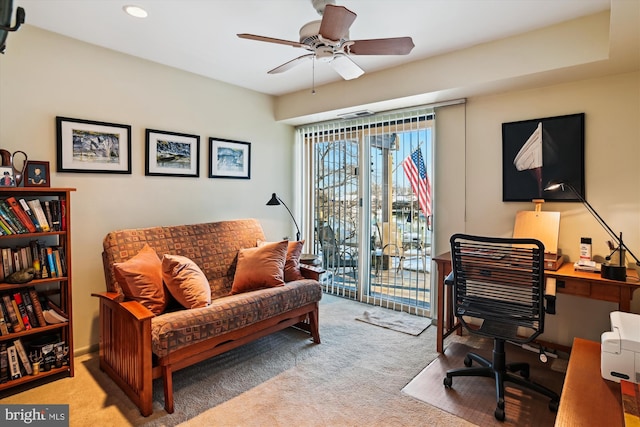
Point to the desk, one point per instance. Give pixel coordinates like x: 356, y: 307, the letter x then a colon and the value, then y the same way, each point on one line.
x: 588, y: 399
x: 568, y: 281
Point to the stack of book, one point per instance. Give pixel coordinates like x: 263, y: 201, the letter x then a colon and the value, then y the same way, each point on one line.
x: 48, y: 261
x: 19, y: 216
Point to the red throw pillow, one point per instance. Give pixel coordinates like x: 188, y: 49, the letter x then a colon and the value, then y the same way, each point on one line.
x: 260, y: 267
x: 140, y: 278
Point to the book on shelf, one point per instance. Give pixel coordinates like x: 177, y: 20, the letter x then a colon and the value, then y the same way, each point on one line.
x: 6, y: 219
x: 63, y: 214
x: 4, y: 363
x: 31, y: 311
x: 36, y: 207
x: 55, y: 214
x: 22, y: 310
x: 7, y: 261
x: 13, y: 218
x: 55, y: 308
x: 52, y: 263
x: 47, y: 212
x: 14, y: 365
x: 59, y: 266
x: 22, y: 355
x: 4, y: 227
x: 37, y: 306
x: 22, y: 216
x: 29, y: 212
x: 34, y: 245
x: 16, y: 310
x: 4, y: 330
x: 13, y: 317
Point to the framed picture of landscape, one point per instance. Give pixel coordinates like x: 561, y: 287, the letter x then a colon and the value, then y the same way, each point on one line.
x: 172, y: 154
x: 229, y: 159
x: 93, y: 147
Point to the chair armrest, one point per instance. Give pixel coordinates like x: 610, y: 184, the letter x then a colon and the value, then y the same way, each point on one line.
x: 449, y: 280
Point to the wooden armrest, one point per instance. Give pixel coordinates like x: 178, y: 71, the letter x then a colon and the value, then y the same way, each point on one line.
x: 311, y: 271
x: 137, y: 310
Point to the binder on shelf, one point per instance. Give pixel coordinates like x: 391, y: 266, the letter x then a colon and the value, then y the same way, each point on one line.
x: 21, y: 214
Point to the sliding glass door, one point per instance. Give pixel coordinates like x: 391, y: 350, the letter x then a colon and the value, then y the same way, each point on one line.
x: 371, y: 204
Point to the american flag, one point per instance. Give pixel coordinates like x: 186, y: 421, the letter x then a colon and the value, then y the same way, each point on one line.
x: 416, y: 172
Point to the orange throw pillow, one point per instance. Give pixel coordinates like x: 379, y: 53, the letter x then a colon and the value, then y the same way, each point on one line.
x: 185, y: 281
x: 261, y: 267
x: 140, y: 278
x: 292, y: 263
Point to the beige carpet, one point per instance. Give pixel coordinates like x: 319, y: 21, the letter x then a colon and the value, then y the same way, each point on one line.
x: 474, y: 398
x: 354, y: 378
x: 395, y: 320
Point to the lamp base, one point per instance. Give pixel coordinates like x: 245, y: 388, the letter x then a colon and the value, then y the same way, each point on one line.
x: 613, y: 272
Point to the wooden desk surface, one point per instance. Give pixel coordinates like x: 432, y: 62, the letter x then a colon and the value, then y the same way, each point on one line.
x: 588, y: 399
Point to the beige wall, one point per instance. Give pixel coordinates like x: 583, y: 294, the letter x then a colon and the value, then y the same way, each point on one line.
x: 43, y: 75
x: 612, y: 174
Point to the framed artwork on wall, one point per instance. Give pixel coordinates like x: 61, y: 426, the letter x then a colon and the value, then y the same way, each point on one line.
x: 229, y: 159
x: 538, y: 152
x: 37, y: 174
x: 171, y: 154
x: 93, y: 147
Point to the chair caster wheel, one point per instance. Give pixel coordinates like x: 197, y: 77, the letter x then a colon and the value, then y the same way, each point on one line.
x: 499, y: 414
x: 447, y: 382
x: 467, y: 361
x: 553, y: 405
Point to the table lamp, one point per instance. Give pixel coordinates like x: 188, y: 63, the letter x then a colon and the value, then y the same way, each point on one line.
x: 608, y: 270
x: 275, y: 201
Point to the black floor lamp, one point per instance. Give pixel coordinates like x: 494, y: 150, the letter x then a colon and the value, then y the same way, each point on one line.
x: 274, y: 201
x: 614, y: 272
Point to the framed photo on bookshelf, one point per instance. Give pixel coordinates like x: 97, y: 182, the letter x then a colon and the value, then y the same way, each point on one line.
x: 540, y: 151
x: 229, y: 159
x: 93, y: 147
x: 37, y: 174
x: 171, y: 154
x: 7, y: 179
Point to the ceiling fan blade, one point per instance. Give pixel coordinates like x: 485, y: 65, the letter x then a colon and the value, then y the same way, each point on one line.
x: 336, y: 21
x: 271, y: 40
x: 391, y: 46
x: 345, y: 66
x: 288, y: 65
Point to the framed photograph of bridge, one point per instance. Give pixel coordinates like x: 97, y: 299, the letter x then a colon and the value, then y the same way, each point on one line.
x: 537, y: 153
x: 93, y: 147
x: 171, y: 154
x: 229, y: 159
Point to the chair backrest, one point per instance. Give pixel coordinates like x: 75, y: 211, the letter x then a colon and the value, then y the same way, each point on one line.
x: 391, y: 239
x: 499, y: 282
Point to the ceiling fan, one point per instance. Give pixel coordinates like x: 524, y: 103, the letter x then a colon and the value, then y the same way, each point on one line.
x: 328, y: 41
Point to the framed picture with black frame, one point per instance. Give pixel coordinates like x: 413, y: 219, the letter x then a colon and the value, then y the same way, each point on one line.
x: 171, y: 154
x: 37, y: 174
x: 539, y: 152
x: 229, y: 159
x: 93, y: 147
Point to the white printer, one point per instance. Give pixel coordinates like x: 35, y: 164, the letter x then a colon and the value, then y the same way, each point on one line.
x: 621, y: 348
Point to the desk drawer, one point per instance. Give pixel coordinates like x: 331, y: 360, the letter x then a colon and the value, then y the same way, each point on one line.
x: 589, y: 289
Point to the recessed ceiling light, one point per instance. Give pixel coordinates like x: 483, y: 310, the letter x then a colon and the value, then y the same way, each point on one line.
x: 135, y: 11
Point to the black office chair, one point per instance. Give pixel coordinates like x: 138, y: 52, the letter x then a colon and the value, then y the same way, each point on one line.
x: 500, y: 282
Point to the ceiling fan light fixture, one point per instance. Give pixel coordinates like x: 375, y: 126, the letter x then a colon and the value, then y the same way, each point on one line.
x: 135, y: 11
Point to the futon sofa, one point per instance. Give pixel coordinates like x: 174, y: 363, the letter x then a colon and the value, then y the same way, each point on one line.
x: 141, y: 340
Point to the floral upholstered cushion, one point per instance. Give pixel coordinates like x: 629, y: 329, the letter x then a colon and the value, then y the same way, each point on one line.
x: 140, y: 278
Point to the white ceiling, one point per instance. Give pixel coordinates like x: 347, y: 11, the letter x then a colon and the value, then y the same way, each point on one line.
x: 200, y: 35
